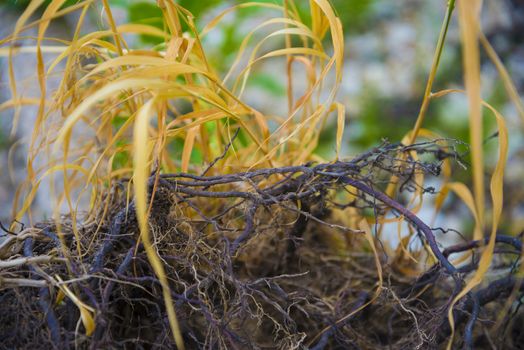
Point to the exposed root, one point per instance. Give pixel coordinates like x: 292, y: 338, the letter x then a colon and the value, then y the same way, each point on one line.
x: 256, y: 260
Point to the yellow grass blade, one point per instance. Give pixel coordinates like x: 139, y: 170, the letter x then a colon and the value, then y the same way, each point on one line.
x: 188, y: 147
x: 364, y: 226
x: 51, y: 9
x: 469, y: 28
x: 117, y: 38
x: 148, y: 61
x: 140, y: 184
x: 142, y: 29
x: 496, y: 189
x: 20, y: 102
x: 4, y: 51
x: 337, y: 35
x: 341, y: 120
x: 463, y: 192
x: 504, y: 75
x: 86, y: 312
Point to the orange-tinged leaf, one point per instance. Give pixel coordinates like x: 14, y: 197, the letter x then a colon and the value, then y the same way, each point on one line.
x: 469, y: 12
x: 341, y: 120
x: 86, y: 311
x: 141, y: 162
x: 504, y: 75
x: 364, y: 226
x: 496, y: 189
x: 188, y: 147
x: 140, y: 185
x: 463, y: 192
x: 147, y: 61
x: 337, y: 35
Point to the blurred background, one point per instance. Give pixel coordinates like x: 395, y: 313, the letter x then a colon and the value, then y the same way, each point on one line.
x: 389, y: 47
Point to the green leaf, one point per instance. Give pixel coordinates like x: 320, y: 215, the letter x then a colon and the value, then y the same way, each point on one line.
x: 269, y: 83
x: 147, y: 13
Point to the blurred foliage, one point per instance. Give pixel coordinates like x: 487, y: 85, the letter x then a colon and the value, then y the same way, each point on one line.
x: 379, y: 117
x: 147, y: 13
x: 198, y: 7
x: 353, y: 14
x: 23, y: 3
x: 4, y: 141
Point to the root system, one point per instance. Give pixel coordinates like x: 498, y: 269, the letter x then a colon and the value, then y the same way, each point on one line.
x: 265, y: 259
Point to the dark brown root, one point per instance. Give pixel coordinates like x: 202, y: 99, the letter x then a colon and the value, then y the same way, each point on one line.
x: 256, y: 260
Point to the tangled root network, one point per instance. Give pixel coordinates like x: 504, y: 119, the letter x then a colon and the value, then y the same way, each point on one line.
x: 279, y: 258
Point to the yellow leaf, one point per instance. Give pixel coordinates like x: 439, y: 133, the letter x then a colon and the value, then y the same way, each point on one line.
x: 364, y: 226
x: 140, y: 184
x: 496, y: 189
x: 504, y: 75
x: 463, y: 192
x: 86, y: 311
x: 341, y: 119
x: 189, y: 142
x: 469, y: 12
